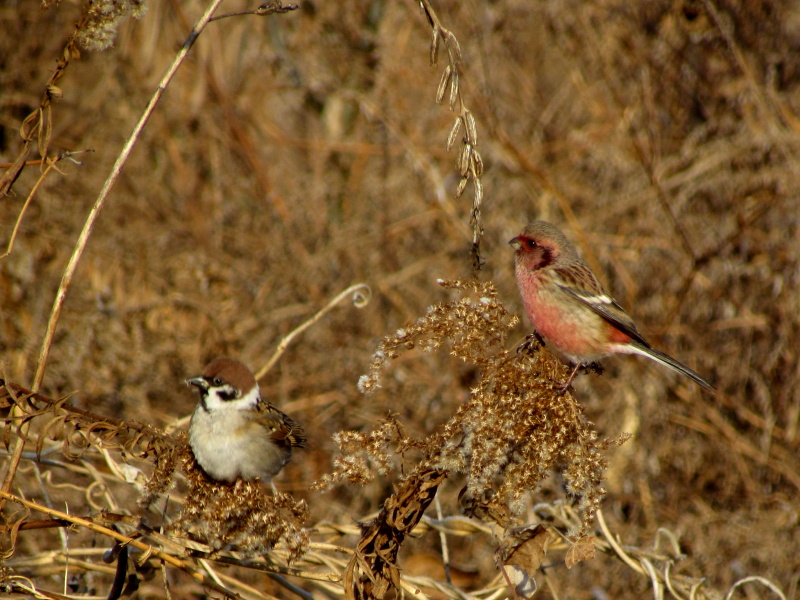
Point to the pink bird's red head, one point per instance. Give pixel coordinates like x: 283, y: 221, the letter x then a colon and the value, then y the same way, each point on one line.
x: 540, y: 245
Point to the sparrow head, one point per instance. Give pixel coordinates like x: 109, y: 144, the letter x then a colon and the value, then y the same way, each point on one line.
x: 540, y: 245
x: 226, y: 384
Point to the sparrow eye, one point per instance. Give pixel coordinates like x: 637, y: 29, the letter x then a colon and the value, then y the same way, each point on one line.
x: 530, y: 243
x: 217, y: 381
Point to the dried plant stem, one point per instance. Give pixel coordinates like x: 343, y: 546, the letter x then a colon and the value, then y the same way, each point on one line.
x: 469, y: 162
x: 762, y: 580
x: 613, y: 543
x: 443, y: 542
x: 276, y: 569
x: 38, y: 125
x: 267, y: 8
x: 121, y: 538
x: 361, y: 297
x: 373, y: 571
x: 10, y: 247
x: 647, y: 563
x: 83, y: 238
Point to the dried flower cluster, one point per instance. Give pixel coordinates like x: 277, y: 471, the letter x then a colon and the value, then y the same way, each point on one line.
x: 514, y: 430
x: 101, y: 20
x: 161, y: 480
x: 365, y: 455
x: 239, y: 516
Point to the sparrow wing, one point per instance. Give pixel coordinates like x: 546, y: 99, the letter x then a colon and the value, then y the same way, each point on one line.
x: 284, y: 430
x: 580, y: 283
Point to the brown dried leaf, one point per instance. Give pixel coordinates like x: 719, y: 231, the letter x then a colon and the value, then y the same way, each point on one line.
x: 11, y: 525
x: 520, y: 556
x: 525, y: 547
x: 7, y: 436
x: 581, y: 550
x: 57, y: 424
x: 520, y: 581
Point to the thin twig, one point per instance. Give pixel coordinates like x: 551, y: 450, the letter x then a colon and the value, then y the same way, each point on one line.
x: 615, y: 545
x: 469, y: 162
x: 83, y: 238
x: 267, y: 8
x: 361, y: 297
x: 17, y: 225
x: 443, y: 542
x: 762, y: 580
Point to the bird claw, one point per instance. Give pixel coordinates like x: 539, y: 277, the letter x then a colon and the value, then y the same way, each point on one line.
x: 593, y: 367
x: 531, y: 344
x: 563, y: 387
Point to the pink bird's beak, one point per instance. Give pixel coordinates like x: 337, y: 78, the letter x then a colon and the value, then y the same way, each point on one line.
x: 515, y: 243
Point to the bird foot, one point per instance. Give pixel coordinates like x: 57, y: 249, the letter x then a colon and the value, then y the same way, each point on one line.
x: 593, y: 367
x: 561, y: 388
x: 531, y: 344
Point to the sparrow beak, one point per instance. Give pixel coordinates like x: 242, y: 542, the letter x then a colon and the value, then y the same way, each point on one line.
x: 515, y: 243
x: 198, y: 381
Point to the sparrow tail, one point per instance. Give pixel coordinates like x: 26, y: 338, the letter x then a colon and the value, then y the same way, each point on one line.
x: 670, y: 362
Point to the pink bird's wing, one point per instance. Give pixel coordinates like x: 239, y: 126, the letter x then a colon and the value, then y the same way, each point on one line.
x: 581, y: 284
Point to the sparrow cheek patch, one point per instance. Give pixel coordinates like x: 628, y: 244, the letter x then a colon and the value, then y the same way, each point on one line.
x: 227, y: 394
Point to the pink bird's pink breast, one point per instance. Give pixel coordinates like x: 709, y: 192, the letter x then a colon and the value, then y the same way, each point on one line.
x: 569, y: 327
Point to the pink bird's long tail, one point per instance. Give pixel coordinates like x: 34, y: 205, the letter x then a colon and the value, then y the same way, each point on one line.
x: 668, y: 361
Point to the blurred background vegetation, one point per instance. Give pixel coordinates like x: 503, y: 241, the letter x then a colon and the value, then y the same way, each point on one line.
x: 295, y: 155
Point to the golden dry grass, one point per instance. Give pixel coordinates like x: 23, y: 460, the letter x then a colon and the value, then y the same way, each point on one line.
x: 296, y: 155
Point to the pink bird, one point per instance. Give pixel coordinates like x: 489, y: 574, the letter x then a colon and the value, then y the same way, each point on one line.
x: 571, y: 309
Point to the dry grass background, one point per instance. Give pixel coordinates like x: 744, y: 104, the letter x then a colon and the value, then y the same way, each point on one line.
x: 295, y: 155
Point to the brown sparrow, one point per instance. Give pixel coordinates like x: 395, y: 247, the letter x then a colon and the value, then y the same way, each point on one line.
x: 235, y: 432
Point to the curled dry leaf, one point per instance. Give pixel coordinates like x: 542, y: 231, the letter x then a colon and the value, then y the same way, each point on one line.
x: 520, y: 555
x: 524, y: 547
x: 373, y: 568
x: 581, y: 550
x: 520, y: 581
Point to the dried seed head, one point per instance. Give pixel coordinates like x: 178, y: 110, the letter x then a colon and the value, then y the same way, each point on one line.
x: 512, y: 432
x: 435, y: 39
x: 471, y: 128
x: 239, y: 515
x: 103, y: 18
x: 443, y: 83
x: 451, y: 139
